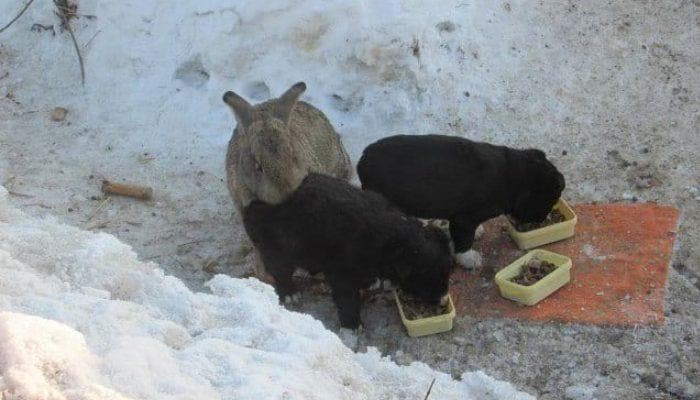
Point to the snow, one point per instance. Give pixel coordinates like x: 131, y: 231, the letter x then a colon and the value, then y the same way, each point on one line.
x: 83, y: 318
x: 43, y: 359
x: 157, y: 72
x: 586, y: 78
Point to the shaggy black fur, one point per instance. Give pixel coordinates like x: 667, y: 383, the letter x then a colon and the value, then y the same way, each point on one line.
x: 353, y: 237
x: 465, y: 182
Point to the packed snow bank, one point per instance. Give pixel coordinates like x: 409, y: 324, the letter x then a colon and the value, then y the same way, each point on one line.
x: 83, y: 318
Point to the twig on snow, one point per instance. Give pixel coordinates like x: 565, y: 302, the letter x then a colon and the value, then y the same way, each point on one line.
x: 80, y: 57
x: 90, y: 41
x: 42, y: 205
x: 99, y: 225
x: 42, y: 28
x: 98, y: 209
x: 18, y: 194
x: 29, y: 3
x: 429, y: 389
x: 66, y: 12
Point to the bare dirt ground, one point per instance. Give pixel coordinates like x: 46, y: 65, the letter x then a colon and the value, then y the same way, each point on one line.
x: 633, y: 136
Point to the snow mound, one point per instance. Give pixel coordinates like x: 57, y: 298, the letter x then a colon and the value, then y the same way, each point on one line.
x: 83, y: 318
x: 44, y: 359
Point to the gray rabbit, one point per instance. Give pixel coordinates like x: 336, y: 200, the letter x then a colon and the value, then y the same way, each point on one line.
x: 275, y: 145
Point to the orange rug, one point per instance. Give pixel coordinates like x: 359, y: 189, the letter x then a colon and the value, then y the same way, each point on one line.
x: 620, y: 254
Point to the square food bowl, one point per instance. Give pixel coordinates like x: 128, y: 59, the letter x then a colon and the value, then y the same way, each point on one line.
x: 547, y: 234
x: 427, y: 325
x: 531, y: 295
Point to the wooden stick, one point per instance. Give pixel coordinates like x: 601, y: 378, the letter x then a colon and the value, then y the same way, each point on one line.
x: 122, y: 189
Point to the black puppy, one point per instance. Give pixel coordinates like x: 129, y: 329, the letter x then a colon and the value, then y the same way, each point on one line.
x: 353, y: 237
x: 465, y: 182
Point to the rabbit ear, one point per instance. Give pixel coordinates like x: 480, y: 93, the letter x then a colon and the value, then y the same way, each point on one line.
x: 286, y: 102
x: 240, y: 107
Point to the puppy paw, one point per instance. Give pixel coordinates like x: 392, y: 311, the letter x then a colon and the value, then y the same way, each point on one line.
x: 470, y: 259
x: 350, y: 337
x: 292, y: 298
x: 479, y: 232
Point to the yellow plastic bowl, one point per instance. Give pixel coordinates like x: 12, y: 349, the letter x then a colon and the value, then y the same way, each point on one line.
x: 531, y: 295
x: 548, y: 234
x: 428, y: 325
